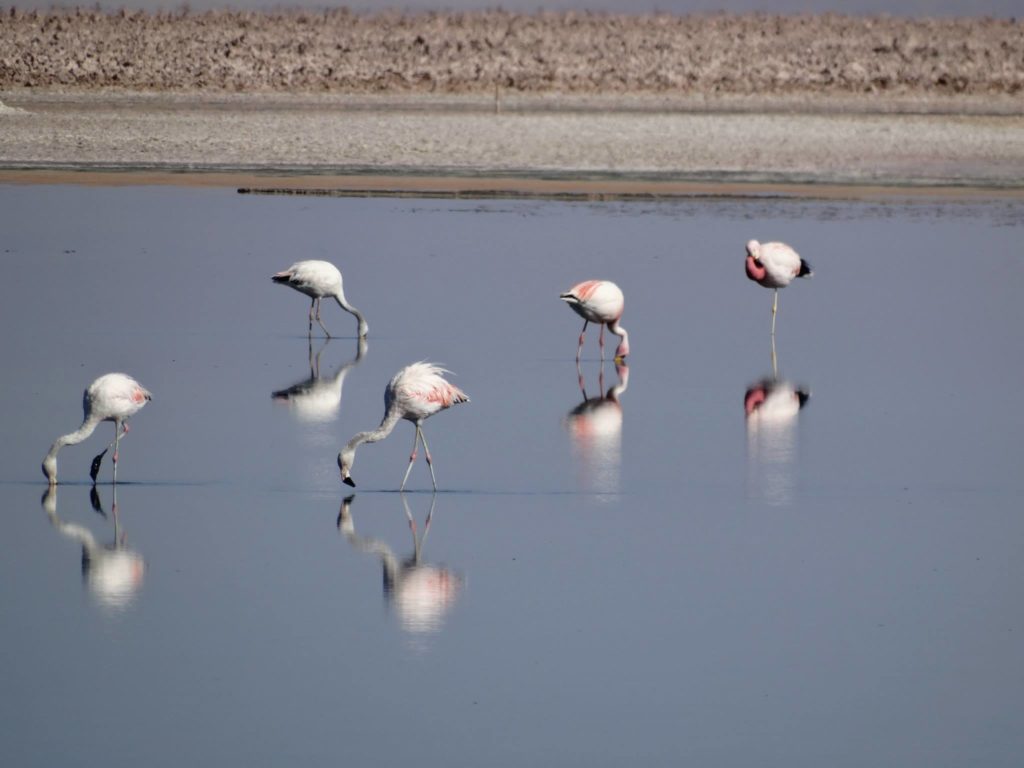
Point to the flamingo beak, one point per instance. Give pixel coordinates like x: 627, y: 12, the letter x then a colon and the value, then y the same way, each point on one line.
x: 349, y: 481
x: 94, y: 470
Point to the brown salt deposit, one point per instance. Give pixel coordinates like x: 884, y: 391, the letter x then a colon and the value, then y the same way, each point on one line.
x: 459, y: 53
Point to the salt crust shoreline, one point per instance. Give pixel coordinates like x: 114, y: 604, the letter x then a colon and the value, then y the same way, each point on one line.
x: 815, y: 100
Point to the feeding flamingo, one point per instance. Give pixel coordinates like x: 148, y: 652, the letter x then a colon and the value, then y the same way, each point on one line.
x: 416, y: 392
x: 774, y: 265
x: 318, y: 280
x: 112, y: 397
x: 599, y: 301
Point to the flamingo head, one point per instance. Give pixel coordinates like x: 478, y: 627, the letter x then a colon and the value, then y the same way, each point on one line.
x: 345, y: 459
x: 50, y: 470
x: 754, y: 250
x: 755, y: 269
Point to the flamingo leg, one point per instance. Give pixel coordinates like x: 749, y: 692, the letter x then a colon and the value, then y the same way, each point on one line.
x: 97, y: 460
x: 600, y: 343
x: 775, y: 366
x: 319, y: 320
x: 312, y: 304
x: 775, y: 308
x: 579, y: 349
x: 117, y: 445
x: 426, y: 451
x: 412, y: 457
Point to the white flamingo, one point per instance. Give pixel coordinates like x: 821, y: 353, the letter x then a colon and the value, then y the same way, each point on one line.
x: 318, y: 280
x: 112, y: 397
x: 774, y: 265
x: 599, y: 301
x: 416, y: 392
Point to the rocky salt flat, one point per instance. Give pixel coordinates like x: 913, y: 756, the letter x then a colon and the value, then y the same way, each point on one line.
x: 665, y: 98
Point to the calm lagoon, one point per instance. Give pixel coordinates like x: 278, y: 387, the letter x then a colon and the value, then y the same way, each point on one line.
x: 639, y: 572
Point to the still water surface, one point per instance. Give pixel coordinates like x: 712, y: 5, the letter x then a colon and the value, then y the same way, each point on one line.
x: 637, y: 571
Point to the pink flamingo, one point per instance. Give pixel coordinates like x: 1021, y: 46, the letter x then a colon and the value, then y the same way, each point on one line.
x: 599, y: 301
x: 774, y: 265
x: 319, y: 279
x: 112, y: 397
x: 416, y: 392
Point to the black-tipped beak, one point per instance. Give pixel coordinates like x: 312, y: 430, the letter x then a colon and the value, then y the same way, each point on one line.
x: 94, y: 470
x: 349, y: 481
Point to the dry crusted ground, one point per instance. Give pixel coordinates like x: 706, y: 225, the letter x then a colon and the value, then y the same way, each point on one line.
x: 463, y: 53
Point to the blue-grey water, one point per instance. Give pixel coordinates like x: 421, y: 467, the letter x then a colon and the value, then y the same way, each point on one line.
x: 654, y: 577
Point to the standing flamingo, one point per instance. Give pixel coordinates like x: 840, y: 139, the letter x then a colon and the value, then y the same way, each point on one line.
x: 599, y: 301
x: 774, y: 265
x: 319, y: 279
x: 416, y: 392
x: 112, y: 397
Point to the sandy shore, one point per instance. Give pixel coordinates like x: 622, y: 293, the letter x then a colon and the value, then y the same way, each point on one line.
x: 666, y: 102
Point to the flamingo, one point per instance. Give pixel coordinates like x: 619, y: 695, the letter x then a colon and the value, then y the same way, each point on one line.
x: 112, y: 397
x: 319, y: 279
x: 774, y: 265
x: 599, y: 301
x: 416, y: 392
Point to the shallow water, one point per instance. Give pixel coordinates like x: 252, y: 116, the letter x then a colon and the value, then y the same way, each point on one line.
x: 656, y: 577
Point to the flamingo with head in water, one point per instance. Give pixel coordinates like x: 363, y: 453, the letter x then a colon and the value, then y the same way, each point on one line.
x: 416, y: 393
x: 319, y: 280
x: 112, y: 397
x: 599, y: 301
x: 774, y: 265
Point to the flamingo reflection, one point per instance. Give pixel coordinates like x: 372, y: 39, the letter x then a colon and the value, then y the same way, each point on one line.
x: 112, y: 572
x: 317, y: 399
x: 421, y: 594
x: 595, y: 426
x: 772, y: 407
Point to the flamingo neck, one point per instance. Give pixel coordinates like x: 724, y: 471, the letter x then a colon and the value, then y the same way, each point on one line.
x: 73, y: 438
x: 391, y: 418
x: 619, y: 331
x: 363, y: 327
